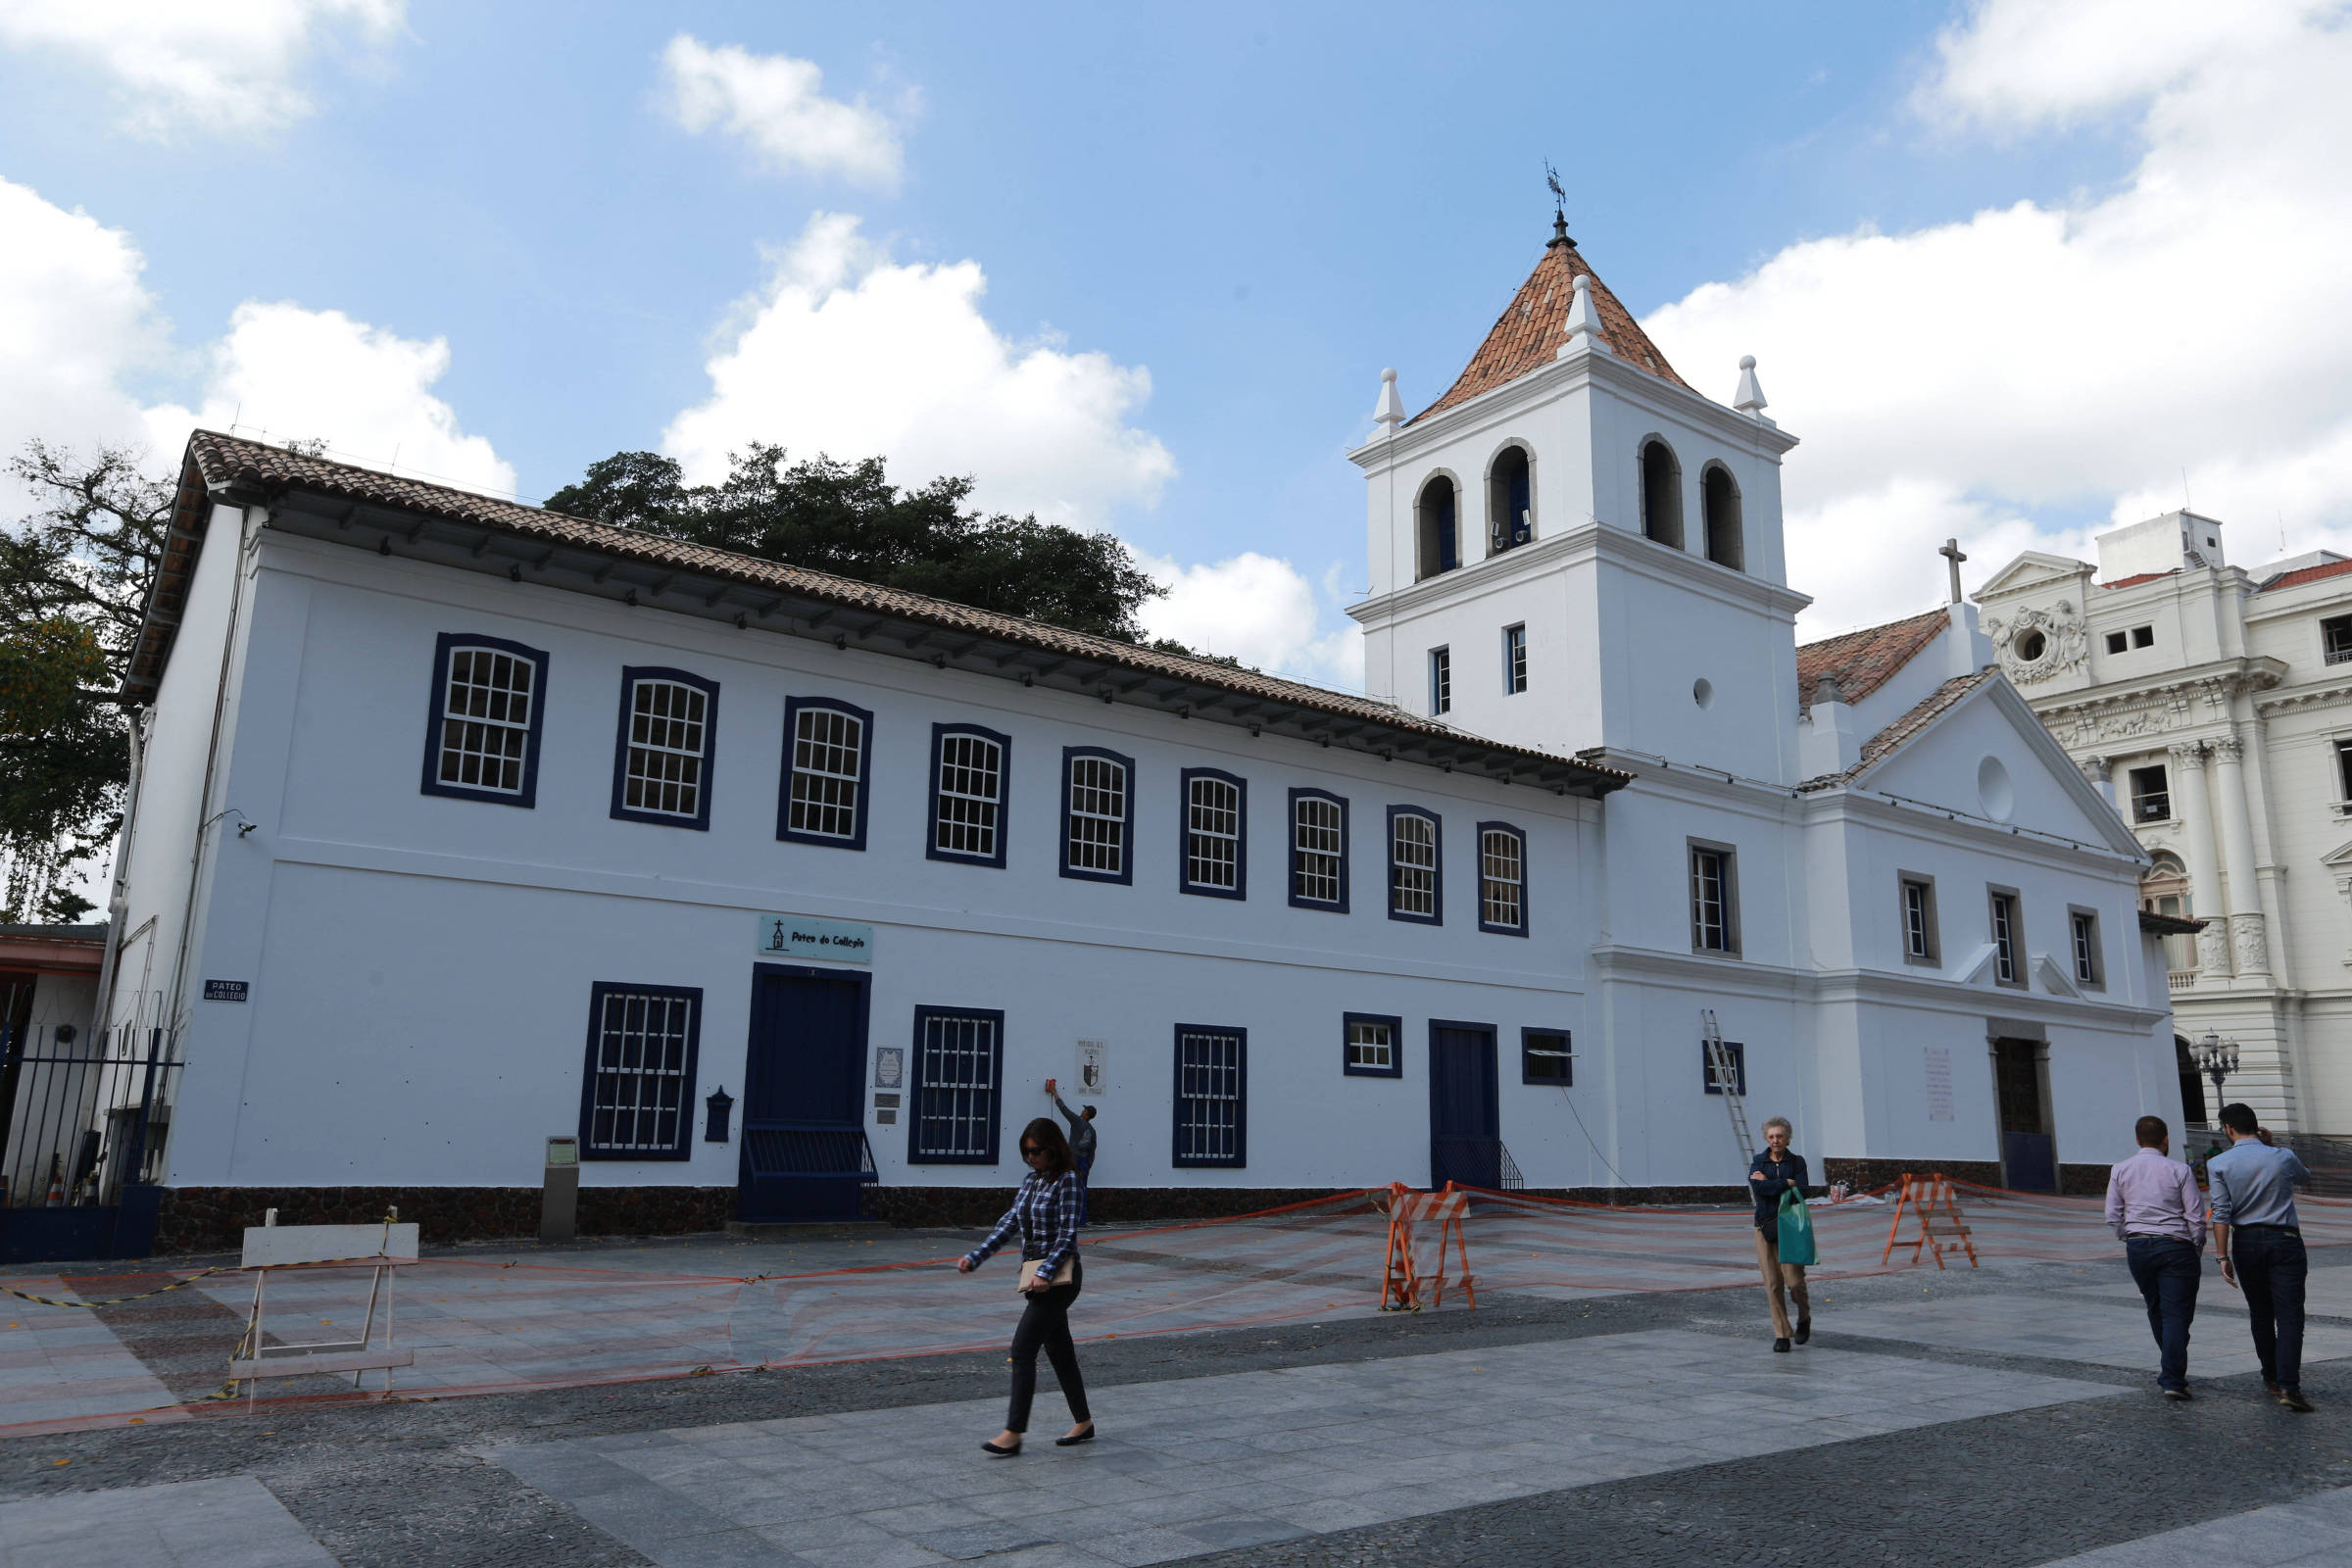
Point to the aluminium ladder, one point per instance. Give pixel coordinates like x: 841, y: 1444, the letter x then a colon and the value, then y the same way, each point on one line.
x: 1726, y: 1082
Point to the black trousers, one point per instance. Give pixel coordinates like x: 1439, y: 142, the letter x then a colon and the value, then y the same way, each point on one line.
x: 1045, y: 1322
x: 2272, y: 1267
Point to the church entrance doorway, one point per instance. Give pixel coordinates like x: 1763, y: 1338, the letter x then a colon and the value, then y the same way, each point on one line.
x: 805, y: 1155
x: 2028, y: 1150
x: 1466, y: 1118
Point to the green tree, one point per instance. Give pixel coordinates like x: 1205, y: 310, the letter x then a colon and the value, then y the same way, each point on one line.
x: 847, y: 518
x: 75, y: 571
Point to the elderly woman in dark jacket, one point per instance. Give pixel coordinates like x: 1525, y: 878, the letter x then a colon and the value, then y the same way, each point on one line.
x: 1773, y: 1172
x: 1044, y: 1211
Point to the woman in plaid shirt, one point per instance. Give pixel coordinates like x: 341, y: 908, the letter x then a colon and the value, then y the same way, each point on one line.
x: 1046, y: 1212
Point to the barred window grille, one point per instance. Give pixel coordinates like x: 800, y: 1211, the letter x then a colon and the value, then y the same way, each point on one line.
x: 1212, y: 847
x: 1413, y: 866
x: 1502, y: 879
x: 1097, y: 821
x: 486, y: 719
x: 1210, y: 1097
x: 828, y: 752
x: 956, y: 1093
x: 1545, y: 1057
x: 668, y: 743
x: 1710, y: 901
x: 1371, y: 1044
x: 643, y: 1057
x: 1317, y: 843
x: 971, y: 796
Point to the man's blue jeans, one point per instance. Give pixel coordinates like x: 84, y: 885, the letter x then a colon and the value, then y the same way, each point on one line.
x: 1085, y: 1162
x: 2271, y: 1266
x: 2167, y: 1270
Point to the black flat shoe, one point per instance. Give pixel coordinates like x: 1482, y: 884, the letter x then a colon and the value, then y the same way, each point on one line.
x: 1804, y: 1332
x: 1088, y: 1435
x: 995, y: 1453
x: 2293, y: 1400
x: 1779, y: 1345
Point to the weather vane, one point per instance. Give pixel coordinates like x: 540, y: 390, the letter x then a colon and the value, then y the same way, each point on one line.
x: 1559, y: 204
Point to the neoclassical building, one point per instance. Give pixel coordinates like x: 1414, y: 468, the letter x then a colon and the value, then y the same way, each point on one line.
x: 2213, y: 704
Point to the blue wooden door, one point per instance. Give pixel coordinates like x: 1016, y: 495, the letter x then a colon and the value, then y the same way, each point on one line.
x: 1465, y: 1120
x: 805, y: 1155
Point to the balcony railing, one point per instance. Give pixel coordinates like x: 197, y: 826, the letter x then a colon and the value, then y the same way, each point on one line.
x: 2181, y: 979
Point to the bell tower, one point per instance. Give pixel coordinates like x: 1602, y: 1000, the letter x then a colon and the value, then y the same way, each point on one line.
x: 1572, y: 548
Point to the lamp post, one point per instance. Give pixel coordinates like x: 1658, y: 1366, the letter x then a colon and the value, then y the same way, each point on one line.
x: 2217, y: 1057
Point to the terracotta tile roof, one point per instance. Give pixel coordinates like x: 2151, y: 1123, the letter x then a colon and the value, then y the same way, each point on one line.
x: 1923, y: 713
x: 1529, y: 330
x: 2136, y: 582
x: 1864, y: 661
x: 272, y: 471
x: 2169, y: 925
x: 2296, y: 579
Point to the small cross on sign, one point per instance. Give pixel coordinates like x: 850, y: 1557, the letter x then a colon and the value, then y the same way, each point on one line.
x: 1951, y: 554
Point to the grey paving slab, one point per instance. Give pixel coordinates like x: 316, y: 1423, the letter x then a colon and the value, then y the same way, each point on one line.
x: 2315, y: 1529
x: 1235, y: 1461
x: 2073, y: 1326
x: 2327, y: 1292
x: 229, y: 1523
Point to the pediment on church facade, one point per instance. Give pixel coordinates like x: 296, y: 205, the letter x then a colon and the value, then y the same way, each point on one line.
x: 2031, y: 570
x: 2340, y: 858
x: 2052, y: 978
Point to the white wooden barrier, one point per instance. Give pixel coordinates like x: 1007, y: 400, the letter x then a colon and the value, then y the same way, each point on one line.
x: 379, y: 1248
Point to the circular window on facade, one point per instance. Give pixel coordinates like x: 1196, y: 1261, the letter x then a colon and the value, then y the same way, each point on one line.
x: 1993, y: 791
x: 1702, y: 692
x: 2031, y: 646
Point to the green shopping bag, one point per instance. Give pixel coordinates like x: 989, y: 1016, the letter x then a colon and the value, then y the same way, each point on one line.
x: 1797, y: 1229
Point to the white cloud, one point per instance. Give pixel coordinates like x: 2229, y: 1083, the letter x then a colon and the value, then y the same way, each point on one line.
x: 2073, y: 358
x: 222, y: 68
x: 846, y: 351
x: 1255, y: 609
x: 74, y: 317
x: 298, y: 373
x: 776, y: 106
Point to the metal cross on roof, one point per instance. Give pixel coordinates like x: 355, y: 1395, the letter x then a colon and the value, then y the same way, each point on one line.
x: 1951, y: 553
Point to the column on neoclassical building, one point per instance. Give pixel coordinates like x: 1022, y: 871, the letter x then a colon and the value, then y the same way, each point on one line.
x: 2186, y: 770
x: 2248, y: 941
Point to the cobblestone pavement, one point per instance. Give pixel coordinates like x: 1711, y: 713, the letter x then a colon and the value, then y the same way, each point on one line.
x: 1984, y: 1418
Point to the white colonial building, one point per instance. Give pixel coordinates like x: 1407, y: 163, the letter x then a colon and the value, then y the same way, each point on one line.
x: 460, y: 824
x: 2213, y: 704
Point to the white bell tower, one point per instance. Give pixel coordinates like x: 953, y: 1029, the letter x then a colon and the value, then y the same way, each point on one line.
x: 1573, y: 549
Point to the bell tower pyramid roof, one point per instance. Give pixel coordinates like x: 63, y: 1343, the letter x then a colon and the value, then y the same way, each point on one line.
x: 1530, y: 329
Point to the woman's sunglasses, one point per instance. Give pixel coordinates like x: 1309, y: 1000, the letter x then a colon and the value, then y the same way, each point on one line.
x: 1029, y: 1150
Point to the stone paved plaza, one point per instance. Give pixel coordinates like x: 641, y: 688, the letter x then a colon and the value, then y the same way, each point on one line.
x: 1998, y: 1416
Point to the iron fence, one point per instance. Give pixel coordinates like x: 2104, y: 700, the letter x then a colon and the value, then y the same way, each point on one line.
x: 83, y: 1116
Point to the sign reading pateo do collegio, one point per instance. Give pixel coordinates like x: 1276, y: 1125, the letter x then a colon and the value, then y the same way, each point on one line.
x: 225, y: 990
x: 798, y: 936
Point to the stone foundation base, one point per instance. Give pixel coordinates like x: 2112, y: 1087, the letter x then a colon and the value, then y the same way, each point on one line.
x: 1128, y: 1205
x: 1865, y: 1175
x: 212, y: 1220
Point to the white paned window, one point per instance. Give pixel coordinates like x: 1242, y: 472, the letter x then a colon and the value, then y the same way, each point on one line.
x: 1710, y: 900
x: 969, y: 798
x: 956, y: 1098
x: 2005, y: 966
x: 1514, y: 658
x: 2086, y: 931
x: 1441, y: 681
x: 1209, y: 1091
x: 1413, y: 866
x: 828, y: 761
x: 1317, y: 841
x: 1213, y: 834
x: 668, y: 722
x: 1098, y: 823
x: 1502, y: 879
x: 486, y: 719
x: 1371, y: 1046
x: 641, y: 1058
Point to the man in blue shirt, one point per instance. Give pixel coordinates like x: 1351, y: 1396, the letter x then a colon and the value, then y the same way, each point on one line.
x: 2256, y: 1233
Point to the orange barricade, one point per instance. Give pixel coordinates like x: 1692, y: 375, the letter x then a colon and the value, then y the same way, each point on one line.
x: 1929, y: 1199
x: 1409, y: 1283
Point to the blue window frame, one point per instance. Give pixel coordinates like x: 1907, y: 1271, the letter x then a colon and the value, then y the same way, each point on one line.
x: 1416, y: 867
x: 1372, y: 1045
x: 1441, y: 681
x: 971, y: 769
x: 1547, y: 1056
x: 1212, y: 847
x: 1212, y: 1096
x: 662, y: 754
x: 1738, y: 1054
x: 1098, y: 814
x: 636, y: 1095
x: 828, y: 773
x: 481, y: 732
x: 957, y: 1085
x: 1514, y: 659
x: 1502, y: 879
x: 1318, y: 851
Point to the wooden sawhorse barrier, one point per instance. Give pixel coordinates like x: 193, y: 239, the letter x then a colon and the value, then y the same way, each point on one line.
x: 379, y: 1248
x: 1403, y: 1288
x: 1929, y: 1200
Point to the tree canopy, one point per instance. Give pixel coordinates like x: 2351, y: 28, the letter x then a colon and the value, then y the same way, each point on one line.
x: 847, y: 518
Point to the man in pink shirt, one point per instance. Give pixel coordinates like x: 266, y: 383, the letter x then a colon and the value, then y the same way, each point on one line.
x: 2154, y: 1208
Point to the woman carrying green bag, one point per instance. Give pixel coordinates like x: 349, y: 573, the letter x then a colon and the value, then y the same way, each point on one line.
x: 1784, y: 1231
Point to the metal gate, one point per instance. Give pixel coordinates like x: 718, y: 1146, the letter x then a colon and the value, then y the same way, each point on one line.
x: 83, y: 1126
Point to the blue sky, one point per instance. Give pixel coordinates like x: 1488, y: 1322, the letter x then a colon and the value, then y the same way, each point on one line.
x: 1255, y: 213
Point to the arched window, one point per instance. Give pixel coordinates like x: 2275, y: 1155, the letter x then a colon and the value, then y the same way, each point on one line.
x: 1510, y: 502
x: 1719, y: 503
x: 2165, y: 891
x: 1661, y: 494
x: 1436, y: 529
